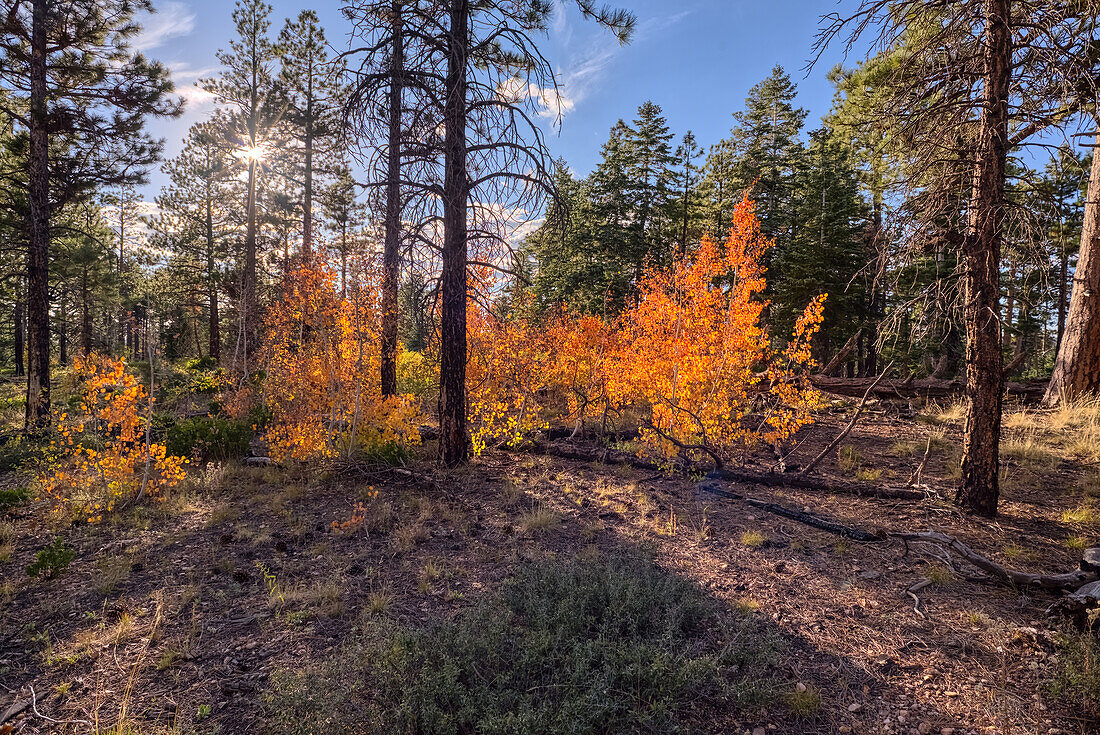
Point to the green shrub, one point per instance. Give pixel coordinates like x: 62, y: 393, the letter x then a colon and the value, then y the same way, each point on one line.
x: 14, y: 454
x: 198, y: 364
x: 52, y: 560
x: 591, y: 647
x: 208, y: 437
x: 1078, y: 678
x: 12, y: 497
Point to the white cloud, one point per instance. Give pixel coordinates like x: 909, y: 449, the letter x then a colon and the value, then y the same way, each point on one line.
x: 549, y: 101
x: 185, y: 79
x: 585, y: 70
x: 172, y: 20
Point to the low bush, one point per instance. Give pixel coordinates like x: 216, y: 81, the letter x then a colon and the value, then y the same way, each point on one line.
x: 52, y: 560
x: 209, y: 437
x: 11, y: 497
x: 588, y: 647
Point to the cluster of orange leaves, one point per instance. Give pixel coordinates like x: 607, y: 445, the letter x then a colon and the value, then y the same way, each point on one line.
x: 692, y: 358
x: 104, y: 457
x: 321, y: 362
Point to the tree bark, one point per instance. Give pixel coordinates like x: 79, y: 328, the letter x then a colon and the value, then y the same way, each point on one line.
x: 20, y: 337
x: 85, y: 313
x: 390, y: 261
x: 1077, y: 368
x: 978, y: 489
x: 38, y: 247
x: 215, y: 327
x: 452, y: 381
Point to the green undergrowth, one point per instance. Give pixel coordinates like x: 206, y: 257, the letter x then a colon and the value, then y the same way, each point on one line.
x: 616, y: 645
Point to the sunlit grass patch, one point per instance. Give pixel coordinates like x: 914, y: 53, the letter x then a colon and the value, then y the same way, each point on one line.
x: 1081, y: 514
x: 1028, y: 451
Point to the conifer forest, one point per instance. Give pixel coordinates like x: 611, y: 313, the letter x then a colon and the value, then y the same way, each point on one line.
x: 546, y: 367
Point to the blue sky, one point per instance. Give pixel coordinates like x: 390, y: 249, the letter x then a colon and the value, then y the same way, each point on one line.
x: 696, y: 58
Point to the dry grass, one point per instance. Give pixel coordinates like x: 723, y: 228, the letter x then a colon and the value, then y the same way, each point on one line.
x: 848, y: 458
x: 753, y: 539
x: 1029, y: 451
x: 539, y: 518
x: 408, y: 536
x: 113, y: 571
x: 1083, y: 514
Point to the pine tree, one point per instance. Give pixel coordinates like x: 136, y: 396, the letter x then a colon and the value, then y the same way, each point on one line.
x: 687, y: 179
x: 650, y: 178
x: 766, y: 149
x: 344, y: 214
x: 195, y: 211
x: 825, y: 253
x: 82, y: 96
x: 253, y: 107
x: 311, y: 82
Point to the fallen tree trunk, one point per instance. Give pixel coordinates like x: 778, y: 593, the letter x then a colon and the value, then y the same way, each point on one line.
x: 710, y: 485
x: 917, y: 388
x: 747, y: 477
x: 821, y: 483
x: 1049, y: 582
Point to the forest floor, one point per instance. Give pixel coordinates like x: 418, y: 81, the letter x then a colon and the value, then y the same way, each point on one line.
x: 241, y: 602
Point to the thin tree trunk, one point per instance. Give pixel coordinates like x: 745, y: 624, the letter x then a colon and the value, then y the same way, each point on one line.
x: 215, y: 327
x: 38, y: 248
x: 978, y: 489
x: 307, y: 195
x: 390, y: 259
x: 1077, y: 368
x: 20, y: 337
x: 85, y: 313
x: 452, y: 382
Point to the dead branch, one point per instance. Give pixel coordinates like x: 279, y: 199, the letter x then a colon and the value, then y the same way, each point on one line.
x: 1050, y: 582
x: 710, y: 484
x: 855, y: 417
x: 838, y: 359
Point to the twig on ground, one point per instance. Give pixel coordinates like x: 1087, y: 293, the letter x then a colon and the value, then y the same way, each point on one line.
x: 855, y: 417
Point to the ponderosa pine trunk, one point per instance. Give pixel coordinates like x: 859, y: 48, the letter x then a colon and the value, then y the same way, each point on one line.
x: 452, y: 379
x: 20, y: 341
x: 214, y: 327
x: 1077, y: 368
x: 978, y: 489
x: 307, y: 194
x: 390, y: 259
x: 38, y: 246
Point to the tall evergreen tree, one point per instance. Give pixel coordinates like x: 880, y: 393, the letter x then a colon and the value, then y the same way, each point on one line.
x: 650, y: 180
x: 311, y: 83
x: 254, y: 106
x: 195, y: 211
x: 826, y: 251
x: 766, y: 148
x: 82, y: 97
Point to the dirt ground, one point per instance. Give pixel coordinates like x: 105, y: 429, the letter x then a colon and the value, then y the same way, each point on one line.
x: 174, y: 616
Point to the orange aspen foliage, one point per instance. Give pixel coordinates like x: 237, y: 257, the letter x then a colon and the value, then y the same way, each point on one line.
x: 506, y: 372
x: 321, y: 365
x: 692, y: 358
x: 694, y: 345
x: 105, y: 458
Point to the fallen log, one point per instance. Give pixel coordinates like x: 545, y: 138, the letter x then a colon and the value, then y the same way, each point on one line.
x: 925, y: 388
x: 821, y: 483
x: 1050, y: 582
x: 710, y: 484
x: 798, y: 481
